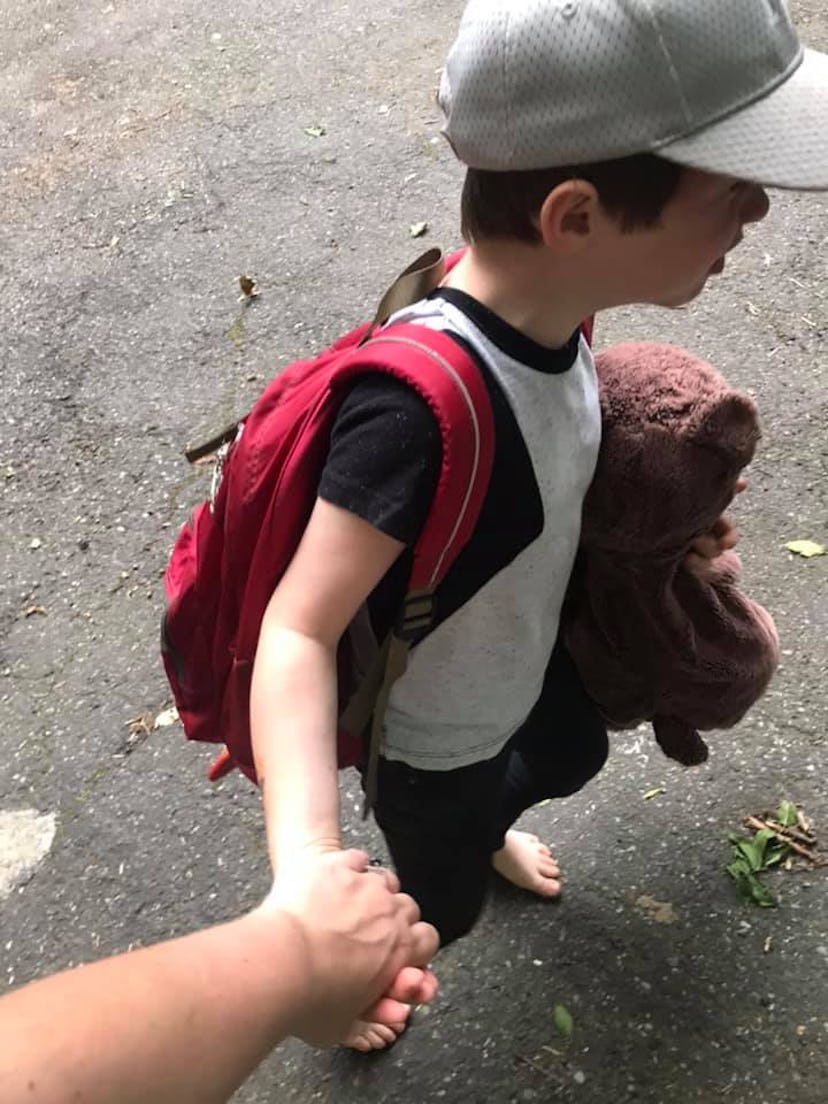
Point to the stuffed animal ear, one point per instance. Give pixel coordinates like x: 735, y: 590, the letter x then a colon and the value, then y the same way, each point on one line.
x: 680, y: 741
x: 732, y: 429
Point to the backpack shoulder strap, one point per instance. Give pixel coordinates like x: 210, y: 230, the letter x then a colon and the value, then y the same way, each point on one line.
x: 448, y: 378
x: 446, y: 375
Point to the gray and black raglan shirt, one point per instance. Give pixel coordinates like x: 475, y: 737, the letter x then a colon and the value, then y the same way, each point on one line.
x: 472, y: 681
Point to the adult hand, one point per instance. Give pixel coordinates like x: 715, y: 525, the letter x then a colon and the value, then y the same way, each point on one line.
x: 365, y: 947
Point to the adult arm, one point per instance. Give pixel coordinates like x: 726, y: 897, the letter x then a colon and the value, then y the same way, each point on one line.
x: 185, y: 1022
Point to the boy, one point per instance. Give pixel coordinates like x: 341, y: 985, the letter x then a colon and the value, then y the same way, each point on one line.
x: 615, y: 150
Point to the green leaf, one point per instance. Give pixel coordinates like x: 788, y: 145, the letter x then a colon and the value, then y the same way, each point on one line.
x: 738, y: 868
x: 315, y: 131
x: 563, y: 1020
x: 750, y: 851
x: 742, y: 877
x: 760, y: 894
x: 760, y: 844
x: 749, y: 886
x: 776, y: 854
x: 806, y: 548
x: 657, y: 791
x: 786, y: 814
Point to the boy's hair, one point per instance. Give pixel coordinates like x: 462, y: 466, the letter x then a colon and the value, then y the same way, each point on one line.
x: 634, y: 190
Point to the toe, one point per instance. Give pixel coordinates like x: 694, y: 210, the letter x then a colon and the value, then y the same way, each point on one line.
x: 548, y: 887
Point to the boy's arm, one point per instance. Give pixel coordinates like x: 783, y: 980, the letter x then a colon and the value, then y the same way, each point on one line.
x: 340, y: 560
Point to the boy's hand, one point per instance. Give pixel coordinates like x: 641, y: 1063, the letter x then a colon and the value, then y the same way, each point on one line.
x: 721, y: 538
x: 365, y: 947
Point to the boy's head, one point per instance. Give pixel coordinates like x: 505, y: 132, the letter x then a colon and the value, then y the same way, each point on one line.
x: 653, y: 122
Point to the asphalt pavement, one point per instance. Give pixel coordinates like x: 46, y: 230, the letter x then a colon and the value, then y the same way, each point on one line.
x: 149, y: 155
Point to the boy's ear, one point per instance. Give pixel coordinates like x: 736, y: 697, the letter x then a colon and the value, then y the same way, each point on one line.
x: 567, y: 216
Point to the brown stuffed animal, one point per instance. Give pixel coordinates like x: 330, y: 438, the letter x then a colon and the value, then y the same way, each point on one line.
x: 652, y: 640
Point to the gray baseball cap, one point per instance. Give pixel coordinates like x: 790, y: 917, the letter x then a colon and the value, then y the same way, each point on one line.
x: 721, y: 85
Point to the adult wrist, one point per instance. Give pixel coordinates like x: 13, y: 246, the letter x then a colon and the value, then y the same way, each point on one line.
x: 274, y: 939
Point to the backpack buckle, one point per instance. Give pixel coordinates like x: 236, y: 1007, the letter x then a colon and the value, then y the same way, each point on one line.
x: 416, y: 615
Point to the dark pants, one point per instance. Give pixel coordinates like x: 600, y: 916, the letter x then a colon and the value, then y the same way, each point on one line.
x: 443, y: 826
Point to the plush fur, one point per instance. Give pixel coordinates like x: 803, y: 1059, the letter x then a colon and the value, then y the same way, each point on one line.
x: 653, y: 642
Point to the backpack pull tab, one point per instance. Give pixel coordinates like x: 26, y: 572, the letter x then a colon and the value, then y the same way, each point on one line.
x: 416, y: 282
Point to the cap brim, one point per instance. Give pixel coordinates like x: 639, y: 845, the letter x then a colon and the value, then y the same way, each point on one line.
x: 780, y: 141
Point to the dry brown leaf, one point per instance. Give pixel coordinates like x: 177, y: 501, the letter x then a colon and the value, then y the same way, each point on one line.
x: 662, y: 912
x: 248, y: 287
x: 142, y: 725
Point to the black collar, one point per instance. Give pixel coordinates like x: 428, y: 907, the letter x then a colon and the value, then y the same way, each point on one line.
x: 509, y: 340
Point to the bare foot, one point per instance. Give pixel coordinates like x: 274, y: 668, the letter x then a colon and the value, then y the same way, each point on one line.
x: 527, y: 863
x: 366, y: 1037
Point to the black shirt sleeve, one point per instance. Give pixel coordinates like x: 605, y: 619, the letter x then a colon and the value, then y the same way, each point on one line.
x: 384, y: 457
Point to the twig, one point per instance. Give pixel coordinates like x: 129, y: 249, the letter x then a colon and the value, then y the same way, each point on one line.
x: 783, y: 835
x: 808, y: 839
x: 536, y: 1067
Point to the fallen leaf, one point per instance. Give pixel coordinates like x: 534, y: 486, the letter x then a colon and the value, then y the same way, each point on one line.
x: 800, y: 1030
x: 749, y: 886
x: 30, y: 611
x: 751, y: 851
x: 142, y: 725
x: 315, y: 131
x: 236, y: 332
x: 35, y: 543
x: 806, y: 548
x: 657, y: 791
x: 660, y: 911
x: 166, y: 717
x: 248, y: 287
x: 768, y: 947
x: 776, y: 854
x: 418, y: 229
x: 563, y: 1020
x: 787, y: 814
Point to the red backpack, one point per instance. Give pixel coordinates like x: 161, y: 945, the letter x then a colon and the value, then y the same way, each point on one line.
x: 230, y: 556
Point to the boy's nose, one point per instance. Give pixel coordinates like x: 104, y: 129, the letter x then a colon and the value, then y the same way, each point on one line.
x: 756, y: 204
